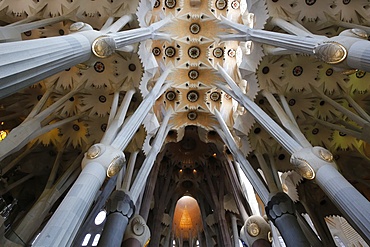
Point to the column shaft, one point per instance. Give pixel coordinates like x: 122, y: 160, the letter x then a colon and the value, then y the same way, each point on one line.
x: 24, y: 63
x: 64, y: 224
x: 354, y: 206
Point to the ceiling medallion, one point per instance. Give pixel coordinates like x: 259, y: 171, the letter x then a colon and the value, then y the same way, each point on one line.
x: 102, y: 99
x: 192, y: 96
x: 170, y: 95
x: 218, y: 52
x: 194, y: 28
x: 329, y: 72
x: 330, y: 52
x: 170, y: 51
x: 235, y: 4
x: 99, y: 67
x: 231, y: 53
x: 297, y: 70
x: 170, y: 3
x: 221, y: 4
x: 194, y: 52
x: 156, y: 51
x: 192, y: 115
x: 156, y: 4
x: 193, y: 74
x: 215, y: 96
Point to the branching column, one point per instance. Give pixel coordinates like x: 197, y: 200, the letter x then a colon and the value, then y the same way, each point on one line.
x: 24, y: 63
x: 313, y: 163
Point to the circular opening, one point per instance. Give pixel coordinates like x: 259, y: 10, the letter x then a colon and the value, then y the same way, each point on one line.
x: 329, y: 72
x: 297, y: 71
x: 194, y: 52
x: 156, y: 51
x: 170, y: 51
x: 291, y: 102
x: 218, y: 52
x: 192, y: 115
x: 265, y: 70
x: 170, y: 4
x: 193, y: 74
x: 235, y: 4
x: 99, y: 67
x: 257, y: 130
x: 76, y: 127
x: 102, y: 99
x: 194, y: 28
x: 132, y: 67
x: 231, y: 53
x: 310, y: 2
x: 170, y: 95
x: 193, y: 96
x: 215, y: 96
x: 221, y: 4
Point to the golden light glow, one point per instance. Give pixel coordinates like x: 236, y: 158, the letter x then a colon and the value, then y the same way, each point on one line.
x: 187, y: 219
x: 3, y: 134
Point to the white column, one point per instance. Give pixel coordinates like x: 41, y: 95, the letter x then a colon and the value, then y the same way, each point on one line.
x: 140, y: 180
x: 247, y: 168
x: 24, y: 63
x: 311, y: 162
x: 64, y: 224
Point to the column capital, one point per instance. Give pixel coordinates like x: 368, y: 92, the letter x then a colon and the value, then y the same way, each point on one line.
x: 256, y: 231
x: 120, y: 202
x: 112, y: 159
x: 279, y: 205
x: 307, y: 161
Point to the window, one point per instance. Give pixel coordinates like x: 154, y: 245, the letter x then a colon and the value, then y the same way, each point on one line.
x: 86, y: 239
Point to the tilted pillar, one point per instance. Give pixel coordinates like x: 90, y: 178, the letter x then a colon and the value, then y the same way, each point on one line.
x: 120, y: 208
x: 24, y: 63
x: 313, y: 163
x: 256, y: 232
x: 349, y: 50
x: 280, y: 210
x: 117, y: 222
x: 317, y: 164
x: 100, y: 161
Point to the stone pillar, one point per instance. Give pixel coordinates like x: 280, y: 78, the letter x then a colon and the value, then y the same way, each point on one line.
x: 317, y: 164
x: 235, y: 230
x: 313, y: 163
x: 256, y: 232
x: 24, y: 63
x: 100, y: 161
x: 280, y: 210
x: 120, y: 208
